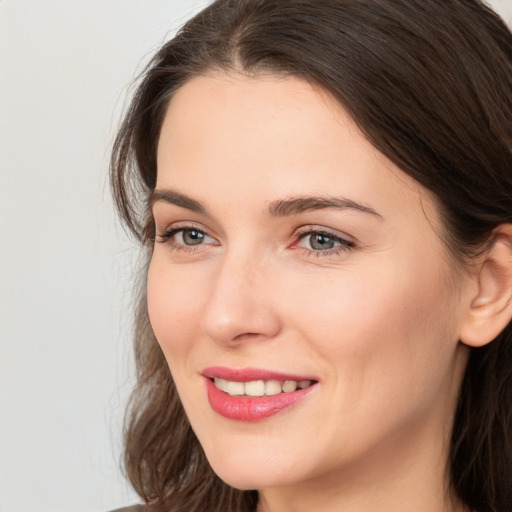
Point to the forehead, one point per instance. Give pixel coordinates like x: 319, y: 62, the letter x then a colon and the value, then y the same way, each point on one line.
x: 263, y: 110
x: 267, y: 137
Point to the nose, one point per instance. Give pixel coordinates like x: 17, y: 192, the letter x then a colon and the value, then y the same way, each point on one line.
x: 241, y: 305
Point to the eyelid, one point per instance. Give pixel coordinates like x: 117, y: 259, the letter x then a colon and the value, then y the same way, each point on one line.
x: 345, y: 242
x: 316, y: 229
x: 186, y: 224
x: 167, y: 233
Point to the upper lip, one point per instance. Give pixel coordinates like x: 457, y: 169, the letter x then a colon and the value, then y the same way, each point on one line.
x: 251, y: 374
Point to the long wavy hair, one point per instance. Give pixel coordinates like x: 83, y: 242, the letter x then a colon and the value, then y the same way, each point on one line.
x: 429, y: 83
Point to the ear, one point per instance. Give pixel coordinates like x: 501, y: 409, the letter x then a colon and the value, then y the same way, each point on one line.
x: 490, y: 310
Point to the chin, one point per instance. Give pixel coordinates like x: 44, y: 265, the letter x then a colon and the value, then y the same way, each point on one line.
x: 248, y: 473
x: 246, y: 479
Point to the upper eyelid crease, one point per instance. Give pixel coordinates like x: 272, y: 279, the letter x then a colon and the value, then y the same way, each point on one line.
x: 279, y: 208
x: 328, y: 234
x: 168, y: 234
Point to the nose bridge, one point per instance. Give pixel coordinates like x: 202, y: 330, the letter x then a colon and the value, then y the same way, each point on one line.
x: 239, y: 305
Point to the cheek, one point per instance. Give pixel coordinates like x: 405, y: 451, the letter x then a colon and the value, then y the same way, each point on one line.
x: 172, y: 306
x: 386, y: 328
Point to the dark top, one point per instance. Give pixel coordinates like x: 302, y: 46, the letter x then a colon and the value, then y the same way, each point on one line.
x: 132, y: 508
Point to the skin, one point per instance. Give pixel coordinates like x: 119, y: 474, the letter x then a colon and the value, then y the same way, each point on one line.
x: 376, y: 321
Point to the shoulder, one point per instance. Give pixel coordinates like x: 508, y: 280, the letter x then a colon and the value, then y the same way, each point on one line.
x: 132, y: 508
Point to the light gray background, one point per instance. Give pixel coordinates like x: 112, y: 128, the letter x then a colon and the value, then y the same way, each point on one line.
x: 65, y: 266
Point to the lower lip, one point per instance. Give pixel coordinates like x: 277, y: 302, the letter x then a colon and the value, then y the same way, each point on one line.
x: 243, y: 408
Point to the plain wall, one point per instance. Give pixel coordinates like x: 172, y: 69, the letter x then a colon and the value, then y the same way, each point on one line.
x: 65, y: 265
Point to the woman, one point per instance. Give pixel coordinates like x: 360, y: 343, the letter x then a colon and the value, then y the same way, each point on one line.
x: 324, y: 192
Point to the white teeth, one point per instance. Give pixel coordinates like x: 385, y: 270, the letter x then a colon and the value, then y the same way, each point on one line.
x: 260, y: 387
x: 272, y: 387
x: 221, y: 384
x: 255, y: 388
x: 235, y: 388
x: 289, y: 386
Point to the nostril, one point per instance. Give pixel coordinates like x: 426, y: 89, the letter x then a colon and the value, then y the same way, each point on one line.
x: 246, y: 335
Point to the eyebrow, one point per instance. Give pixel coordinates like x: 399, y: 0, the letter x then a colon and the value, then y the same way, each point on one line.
x: 173, y: 197
x: 296, y: 205
x: 279, y: 208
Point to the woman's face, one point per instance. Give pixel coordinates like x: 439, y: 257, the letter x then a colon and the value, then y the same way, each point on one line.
x: 291, y: 253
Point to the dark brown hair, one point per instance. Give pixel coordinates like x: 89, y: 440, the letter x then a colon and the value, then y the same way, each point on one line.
x: 429, y: 83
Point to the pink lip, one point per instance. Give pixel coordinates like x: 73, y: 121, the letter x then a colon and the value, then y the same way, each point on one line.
x: 243, y: 408
x: 249, y: 374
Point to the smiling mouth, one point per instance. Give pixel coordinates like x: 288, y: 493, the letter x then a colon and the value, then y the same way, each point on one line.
x: 258, y: 388
x: 253, y: 394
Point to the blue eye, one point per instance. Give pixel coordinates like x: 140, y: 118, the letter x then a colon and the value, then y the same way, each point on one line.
x: 322, y: 242
x: 190, y: 236
x: 185, y: 237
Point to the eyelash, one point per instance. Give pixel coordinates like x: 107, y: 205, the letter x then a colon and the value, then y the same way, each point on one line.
x: 166, y: 236
x: 344, y: 244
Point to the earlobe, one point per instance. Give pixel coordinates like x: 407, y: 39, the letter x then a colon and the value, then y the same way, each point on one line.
x: 490, y: 310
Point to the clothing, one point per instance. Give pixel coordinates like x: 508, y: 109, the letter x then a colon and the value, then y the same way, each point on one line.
x: 132, y: 508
